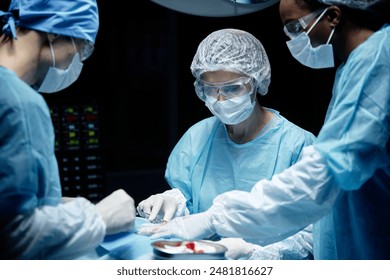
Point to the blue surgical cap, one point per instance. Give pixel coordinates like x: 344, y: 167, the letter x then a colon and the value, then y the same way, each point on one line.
x: 74, y: 18
x: 355, y: 4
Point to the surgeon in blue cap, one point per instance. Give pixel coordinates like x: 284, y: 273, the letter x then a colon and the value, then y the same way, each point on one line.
x: 42, y: 48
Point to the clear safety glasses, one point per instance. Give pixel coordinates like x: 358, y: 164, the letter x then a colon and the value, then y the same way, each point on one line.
x: 228, y: 89
x: 294, y: 28
x: 86, y: 50
x: 84, y: 47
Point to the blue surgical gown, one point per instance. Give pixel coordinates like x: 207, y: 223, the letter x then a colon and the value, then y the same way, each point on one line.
x: 342, y: 181
x: 34, y: 224
x: 355, y: 143
x: 206, y: 162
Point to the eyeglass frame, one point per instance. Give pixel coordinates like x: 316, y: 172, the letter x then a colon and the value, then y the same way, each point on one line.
x: 302, y: 22
x: 84, y: 47
x: 241, y: 81
x: 86, y: 50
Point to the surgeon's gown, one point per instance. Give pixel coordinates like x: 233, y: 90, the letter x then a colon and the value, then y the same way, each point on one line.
x: 344, y: 178
x: 34, y: 224
x: 205, y: 163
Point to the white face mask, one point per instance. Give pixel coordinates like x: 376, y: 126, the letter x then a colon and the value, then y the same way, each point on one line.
x: 302, y: 50
x: 59, y: 79
x: 231, y: 111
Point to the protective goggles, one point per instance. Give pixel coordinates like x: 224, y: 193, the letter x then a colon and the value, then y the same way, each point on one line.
x: 84, y: 47
x: 86, y: 50
x: 228, y: 89
x: 294, y: 28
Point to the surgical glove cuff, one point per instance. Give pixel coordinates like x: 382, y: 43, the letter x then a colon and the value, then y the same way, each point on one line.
x: 237, y: 248
x: 205, y: 222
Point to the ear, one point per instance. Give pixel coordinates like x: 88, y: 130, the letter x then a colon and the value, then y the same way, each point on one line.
x: 333, y: 15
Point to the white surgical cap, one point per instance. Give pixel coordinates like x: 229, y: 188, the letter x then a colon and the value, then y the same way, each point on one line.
x: 235, y: 51
x: 74, y: 18
x: 355, y: 4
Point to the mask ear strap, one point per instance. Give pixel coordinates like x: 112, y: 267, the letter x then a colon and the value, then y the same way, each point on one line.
x: 74, y: 45
x: 52, y: 54
x: 317, y: 20
x: 51, y: 38
x: 331, y: 35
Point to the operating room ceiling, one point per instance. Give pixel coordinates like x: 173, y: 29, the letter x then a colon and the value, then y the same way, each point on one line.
x: 216, y: 8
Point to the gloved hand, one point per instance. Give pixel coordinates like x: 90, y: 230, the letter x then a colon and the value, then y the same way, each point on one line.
x: 117, y: 211
x: 192, y: 227
x: 157, y: 208
x: 237, y: 248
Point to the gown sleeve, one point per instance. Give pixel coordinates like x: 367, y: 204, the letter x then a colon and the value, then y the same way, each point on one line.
x: 280, y: 207
x: 65, y: 231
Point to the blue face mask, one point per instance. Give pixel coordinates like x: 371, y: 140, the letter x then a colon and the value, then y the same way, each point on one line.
x: 59, y: 79
x: 302, y: 50
x: 231, y: 111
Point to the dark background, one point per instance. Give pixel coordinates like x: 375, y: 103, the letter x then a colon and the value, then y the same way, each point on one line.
x: 139, y: 77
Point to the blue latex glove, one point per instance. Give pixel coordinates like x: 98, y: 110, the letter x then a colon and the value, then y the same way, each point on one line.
x: 192, y: 227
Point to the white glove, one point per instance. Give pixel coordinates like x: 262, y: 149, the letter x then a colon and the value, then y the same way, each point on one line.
x: 192, y: 227
x: 157, y: 208
x: 237, y: 248
x: 117, y: 211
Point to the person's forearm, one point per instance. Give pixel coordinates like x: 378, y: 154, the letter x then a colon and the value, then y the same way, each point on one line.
x: 66, y: 231
x: 278, y: 208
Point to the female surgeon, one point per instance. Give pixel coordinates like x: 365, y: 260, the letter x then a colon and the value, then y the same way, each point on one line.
x: 342, y: 181
x: 42, y: 49
x: 242, y: 143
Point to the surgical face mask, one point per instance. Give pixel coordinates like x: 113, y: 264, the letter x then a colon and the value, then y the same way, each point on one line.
x: 59, y: 79
x: 231, y: 111
x: 314, y: 57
